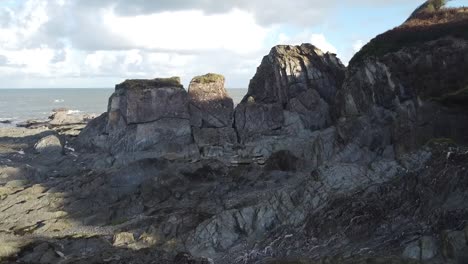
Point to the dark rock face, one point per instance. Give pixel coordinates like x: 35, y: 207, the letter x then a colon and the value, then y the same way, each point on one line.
x: 282, y: 161
x: 414, y: 89
x: 145, y: 101
x: 255, y: 120
x: 291, y: 80
x: 305, y: 168
x: 211, y: 111
x: 289, y: 97
x: 288, y: 71
x: 145, y: 115
x: 430, y: 73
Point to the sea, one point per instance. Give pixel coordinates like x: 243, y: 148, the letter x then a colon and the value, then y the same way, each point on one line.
x: 18, y: 105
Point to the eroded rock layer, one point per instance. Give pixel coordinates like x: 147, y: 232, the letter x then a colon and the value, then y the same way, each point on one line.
x: 309, y: 156
x: 409, y: 97
x: 144, y: 115
x: 290, y: 97
x: 211, y: 111
x: 293, y: 86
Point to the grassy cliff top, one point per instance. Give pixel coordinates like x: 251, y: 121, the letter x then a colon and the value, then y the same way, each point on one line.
x: 419, y: 28
x: 150, y: 83
x: 208, y: 78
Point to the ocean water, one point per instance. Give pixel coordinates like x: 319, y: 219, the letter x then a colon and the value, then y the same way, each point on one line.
x: 19, y: 105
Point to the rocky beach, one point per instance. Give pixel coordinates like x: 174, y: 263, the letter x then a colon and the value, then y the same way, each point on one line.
x: 319, y: 163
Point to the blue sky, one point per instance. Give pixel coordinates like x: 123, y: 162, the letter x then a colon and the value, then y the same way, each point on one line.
x: 88, y: 43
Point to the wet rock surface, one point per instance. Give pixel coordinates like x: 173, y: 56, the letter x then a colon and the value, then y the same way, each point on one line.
x: 62, y: 120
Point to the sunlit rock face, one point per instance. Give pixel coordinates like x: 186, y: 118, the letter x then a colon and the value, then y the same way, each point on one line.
x: 145, y: 115
x: 293, y: 86
x: 291, y: 96
x: 211, y: 111
x: 154, y: 114
x: 145, y: 101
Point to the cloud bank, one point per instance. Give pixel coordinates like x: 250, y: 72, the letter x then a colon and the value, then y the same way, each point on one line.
x: 84, y: 43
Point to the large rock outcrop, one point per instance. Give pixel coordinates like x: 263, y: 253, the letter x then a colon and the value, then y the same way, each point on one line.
x: 211, y: 111
x: 408, y: 97
x: 330, y: 165
x: 342, y: 165
x: 294, y: 86
x: 144, y: 115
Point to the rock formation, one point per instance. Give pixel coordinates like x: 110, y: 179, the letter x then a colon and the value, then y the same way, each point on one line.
x: 211, y: 111
x: 321, y: 137
x: 294, y: 86
x: 416, y: 94
x: 62, y: 120
x: 49, y: 145
x: 291, y: 96
x: 144, y: 115
x: 318, y: 164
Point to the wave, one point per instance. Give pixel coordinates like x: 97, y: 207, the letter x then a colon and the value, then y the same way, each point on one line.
x: 59, y: 101
x: 8, y: 121
x: 71, y: 112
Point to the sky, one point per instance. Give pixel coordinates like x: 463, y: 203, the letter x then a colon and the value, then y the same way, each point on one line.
x: 99, y: 43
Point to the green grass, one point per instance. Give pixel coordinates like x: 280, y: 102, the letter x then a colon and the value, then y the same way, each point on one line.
x: 441, y: 142
x: 425, y: 27
x: 459, y: 97
x: 151, y: 83
x: 119, y: 221
x: 208, y: 78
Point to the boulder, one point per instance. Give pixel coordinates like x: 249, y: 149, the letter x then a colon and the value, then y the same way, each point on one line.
x: 49, y: 145
x: 211, y: 111
x: 143, y: 115
x: 123, y: 239
x: 209, y: 102
x: 300, y: 80
x: 6, y: 121
x: 62, y: 117
x: 68, y: 122
x: 144, y: 101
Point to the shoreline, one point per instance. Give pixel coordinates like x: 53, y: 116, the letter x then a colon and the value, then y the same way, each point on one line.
x: 18, y: 122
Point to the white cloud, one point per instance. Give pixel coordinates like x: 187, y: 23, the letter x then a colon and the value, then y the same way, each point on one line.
x: 23, y: 24
x: 97, y: 43
x: 321, y: 42
x: 47, y: 40
x: 357, y: 45
x: 318, y: 40
x: 189, y: 31
x: 33, y: 60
